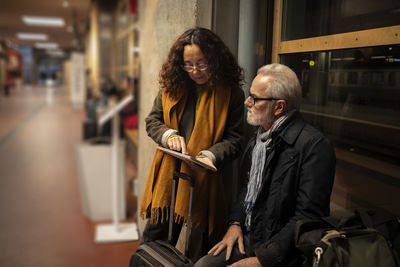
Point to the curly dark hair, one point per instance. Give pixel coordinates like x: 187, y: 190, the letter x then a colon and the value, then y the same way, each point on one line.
x: 222, y: 65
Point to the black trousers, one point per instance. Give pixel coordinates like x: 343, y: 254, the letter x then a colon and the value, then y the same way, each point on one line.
x: 292, y: 260
x: 219, y: 260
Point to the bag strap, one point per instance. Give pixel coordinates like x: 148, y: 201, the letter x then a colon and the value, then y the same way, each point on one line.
x: 335, y: 223
x: 366, y: 219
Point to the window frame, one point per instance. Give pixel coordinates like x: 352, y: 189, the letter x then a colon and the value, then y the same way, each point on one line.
x: 364, y: 38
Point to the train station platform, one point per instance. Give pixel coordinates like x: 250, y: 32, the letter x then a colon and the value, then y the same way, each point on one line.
x: 41, y: 218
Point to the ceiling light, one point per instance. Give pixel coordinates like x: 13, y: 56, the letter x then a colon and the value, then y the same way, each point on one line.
x: 32, y: 36
x: 46, y: 45
x: 65, y: 4
x: 44, y: 21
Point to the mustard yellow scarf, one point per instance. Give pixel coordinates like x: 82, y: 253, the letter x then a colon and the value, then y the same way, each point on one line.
x: 209, y: 199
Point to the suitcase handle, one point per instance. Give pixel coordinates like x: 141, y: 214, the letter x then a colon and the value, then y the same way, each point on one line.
x: 177, y: 176
x: 181, y: 175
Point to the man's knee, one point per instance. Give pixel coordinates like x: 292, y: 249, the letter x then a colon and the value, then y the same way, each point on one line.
x: 201, y: 262
x: 210, y: 260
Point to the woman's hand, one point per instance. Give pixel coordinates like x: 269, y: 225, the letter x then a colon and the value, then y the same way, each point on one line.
x: 177, y: 142
x: 233, y: 235
x: 204, y: 160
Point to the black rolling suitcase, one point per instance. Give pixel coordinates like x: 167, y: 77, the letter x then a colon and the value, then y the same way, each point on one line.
x: 162, y: 253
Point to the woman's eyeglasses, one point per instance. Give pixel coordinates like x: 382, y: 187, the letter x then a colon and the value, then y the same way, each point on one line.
x: 190, y: 68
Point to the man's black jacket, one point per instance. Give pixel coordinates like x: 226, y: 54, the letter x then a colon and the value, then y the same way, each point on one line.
x: 297, y: 184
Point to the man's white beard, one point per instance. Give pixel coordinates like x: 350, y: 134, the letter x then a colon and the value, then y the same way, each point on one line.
x: 263, y: 117
x: 254, y: 119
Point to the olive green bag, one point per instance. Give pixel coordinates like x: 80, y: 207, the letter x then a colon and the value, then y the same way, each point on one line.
x: 362, y: 240
x: 353, y: 248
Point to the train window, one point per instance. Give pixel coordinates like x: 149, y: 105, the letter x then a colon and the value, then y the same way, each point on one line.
x: 365, y: 77
x: 332, y: 77
x: 362, y: 109
x: 352, y: 90
x: 377, y: 78
x: 392, y: 78
x: 331, y: 17
x: 304, y: 78
x: 352, y: 77
x: 341, y: 77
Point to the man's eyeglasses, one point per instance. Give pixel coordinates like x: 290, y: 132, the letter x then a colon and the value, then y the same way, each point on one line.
x: 190, y: 68
x: 254, y: 99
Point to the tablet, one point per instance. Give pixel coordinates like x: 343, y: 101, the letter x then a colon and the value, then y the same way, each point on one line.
x: 182, y: 156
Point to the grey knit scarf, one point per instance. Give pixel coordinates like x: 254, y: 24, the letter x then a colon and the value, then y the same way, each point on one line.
x: 260, y: 152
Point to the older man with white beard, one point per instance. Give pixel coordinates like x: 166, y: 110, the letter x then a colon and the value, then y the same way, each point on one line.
x: 288, y: 168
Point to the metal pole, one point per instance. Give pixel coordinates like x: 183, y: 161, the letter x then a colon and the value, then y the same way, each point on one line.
x: 114, y: 170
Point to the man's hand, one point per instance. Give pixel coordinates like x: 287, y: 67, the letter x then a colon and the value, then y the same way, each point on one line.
x: 248, y: 262
x: 177, y: 142
x: 233, y: 235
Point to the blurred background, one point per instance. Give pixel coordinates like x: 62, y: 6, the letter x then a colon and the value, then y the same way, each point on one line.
x: 65, y: 63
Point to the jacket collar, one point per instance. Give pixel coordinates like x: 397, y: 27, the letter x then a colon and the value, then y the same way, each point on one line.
x: 293, y: 128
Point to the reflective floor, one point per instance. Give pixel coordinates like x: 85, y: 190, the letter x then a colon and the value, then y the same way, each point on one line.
x: 41, y: 222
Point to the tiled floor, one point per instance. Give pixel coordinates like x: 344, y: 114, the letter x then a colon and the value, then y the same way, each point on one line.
x: 41, y: 222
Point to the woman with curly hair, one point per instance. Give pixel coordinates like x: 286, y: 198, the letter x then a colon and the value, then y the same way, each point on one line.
x: 198, y: 111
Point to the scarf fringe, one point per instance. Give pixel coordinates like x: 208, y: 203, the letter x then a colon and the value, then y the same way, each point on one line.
x: 160, y: 215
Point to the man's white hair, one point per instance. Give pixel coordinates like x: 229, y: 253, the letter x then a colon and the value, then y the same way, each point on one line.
x: 283, y: 84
